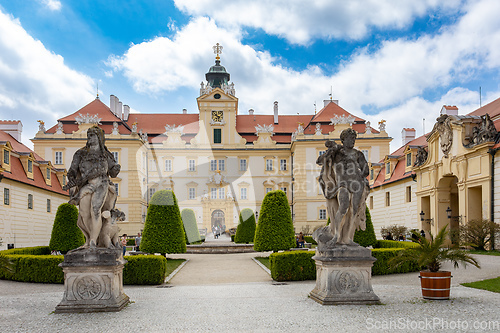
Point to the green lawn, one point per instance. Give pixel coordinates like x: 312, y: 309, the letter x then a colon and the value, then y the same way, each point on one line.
x: 490, y: 285
x: 490, y: 253
x: 264, y: 261
x: 172, y: 264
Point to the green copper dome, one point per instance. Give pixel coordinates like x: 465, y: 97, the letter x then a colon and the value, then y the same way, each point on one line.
x: 217, y: 75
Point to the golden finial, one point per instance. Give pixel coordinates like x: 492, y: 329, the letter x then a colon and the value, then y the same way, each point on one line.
x: 381, y: 122
x: 217, y: 50
x: 41, y: 122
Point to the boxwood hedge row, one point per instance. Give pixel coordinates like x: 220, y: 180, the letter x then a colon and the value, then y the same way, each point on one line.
x: 299, y: 265
x: 34, y: 264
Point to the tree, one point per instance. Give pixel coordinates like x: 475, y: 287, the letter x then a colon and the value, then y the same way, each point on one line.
x: 275, y: 228
x: 190, y: 225
x: 245, y: 233
x: 478, y: 233
x: 163, y: 230
x: 395, y: 231
x: 366, y: 237
x: 66, y: 235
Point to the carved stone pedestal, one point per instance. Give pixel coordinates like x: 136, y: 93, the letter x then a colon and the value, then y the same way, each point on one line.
x: 343, y: 276
x: 93, y: 281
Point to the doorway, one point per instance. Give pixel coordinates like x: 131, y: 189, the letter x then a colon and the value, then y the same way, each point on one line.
x: 218, y: 219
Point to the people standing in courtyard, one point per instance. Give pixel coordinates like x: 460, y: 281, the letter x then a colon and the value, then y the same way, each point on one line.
x: 300, y: 239
x: 137, y: 241
x: 124, y: 243
x: 389, y: 236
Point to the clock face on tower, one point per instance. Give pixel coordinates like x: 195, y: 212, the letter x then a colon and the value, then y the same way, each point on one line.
x: 217, y: 116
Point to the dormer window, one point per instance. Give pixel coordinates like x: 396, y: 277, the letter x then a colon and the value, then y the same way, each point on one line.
x: 30, y: 166
x: 6, y: 157
x: 48, y: 173
x: 408, y: 159
x: 371, y: 174
x: 387, y: 168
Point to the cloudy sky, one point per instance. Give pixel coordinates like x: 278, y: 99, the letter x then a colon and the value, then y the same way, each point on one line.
x: 395, y: 60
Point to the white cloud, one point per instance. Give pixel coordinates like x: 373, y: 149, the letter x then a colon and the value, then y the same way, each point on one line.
x: 51, y: 4
x: 34, y: 82
x: 299, y: 21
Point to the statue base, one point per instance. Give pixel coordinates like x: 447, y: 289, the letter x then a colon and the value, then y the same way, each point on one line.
x: 343, y: 276
x: 93, y: 281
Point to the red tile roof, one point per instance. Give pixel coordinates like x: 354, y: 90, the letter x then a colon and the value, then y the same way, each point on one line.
x: 493, y: 109
x: 329, y: 111
x: 286, y: 123
x: 9, y: 122
x: 94, y: 107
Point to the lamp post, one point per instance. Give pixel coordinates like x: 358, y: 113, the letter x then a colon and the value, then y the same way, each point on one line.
x: 448, y: 213
x: 422, y: 214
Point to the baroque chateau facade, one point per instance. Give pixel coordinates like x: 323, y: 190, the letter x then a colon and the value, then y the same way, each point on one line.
x: 217, y: 161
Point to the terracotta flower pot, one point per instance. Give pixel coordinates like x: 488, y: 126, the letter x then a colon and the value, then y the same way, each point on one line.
x: 435, y: 285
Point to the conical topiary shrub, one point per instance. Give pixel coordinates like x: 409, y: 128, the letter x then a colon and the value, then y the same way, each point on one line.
x: 245, y: 232
x: 190, y: 225
x: 275, y: 228
x: 366, y: 237
x: 65, y: 233
x: 163, y: 230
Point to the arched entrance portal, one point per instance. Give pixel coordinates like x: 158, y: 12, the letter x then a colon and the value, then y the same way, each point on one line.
x: 448, y: 197
x: 218, y: 219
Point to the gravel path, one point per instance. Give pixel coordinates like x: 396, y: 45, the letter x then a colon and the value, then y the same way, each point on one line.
x: 259, y: 306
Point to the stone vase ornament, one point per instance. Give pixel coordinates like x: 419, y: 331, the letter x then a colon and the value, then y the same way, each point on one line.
x: 343, y: 268
x: 93, y: 273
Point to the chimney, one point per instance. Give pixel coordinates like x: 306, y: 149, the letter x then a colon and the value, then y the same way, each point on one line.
x: 126, y: 112
x: 449, y: 109
x: 120, y: 110
x: 328, y: 101
x: 408, y: 134
x: 112, y: 103
x: 276, y: 112
x: 184, y: 111
x: 250, y: 112
x: 117, y: 101
x: 13, y: 127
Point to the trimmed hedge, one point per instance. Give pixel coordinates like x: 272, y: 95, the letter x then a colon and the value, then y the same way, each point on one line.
x: 366, y: 237
x: 310, y: 239
x: 32, y: 264
x: 190, y: 225
x: 275, y: 228
x: 299, y: 265
x: 386, y: 244
x: 141, y: 269
x: 66, y: 235
x: 245, y: 232
x: 163, y: 230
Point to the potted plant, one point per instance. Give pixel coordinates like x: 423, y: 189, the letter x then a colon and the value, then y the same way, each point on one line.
x: 430, y: 254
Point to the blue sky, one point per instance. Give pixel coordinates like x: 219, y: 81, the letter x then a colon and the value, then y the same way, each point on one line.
x: 393, y: 60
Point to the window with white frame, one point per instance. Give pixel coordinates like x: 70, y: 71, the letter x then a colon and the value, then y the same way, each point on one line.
x: 168, y: 165
x: 59, y: 157
x: 168, y: 188
x: 48, y: 173
x: 151, y: 192
x: 322, y: 214
x: 222, y: 193
x: 30, y: 166
x: 388, y: 168
x: 192, y: 193
x: 213, y: 193
x: 243, y: 193
x: 192, y: 165
x: 371, y: 174
x: 213, y: 165
x: 269, y: 165
x: 222, y: 165
x: 321, y: 152
x: 408, y: 193
x: 6, y: 196
x: 268, y: 189
x: 283, y: 188
x: 283, y: 165
x: 48, y: 205
x: 30, y: 201
x: 115, y: 156
x: 6, y: 156
x: 408, y: 159
x: 243, y: 165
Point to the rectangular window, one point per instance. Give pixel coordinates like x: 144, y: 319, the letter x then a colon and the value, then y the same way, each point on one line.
x: 117, y: 188
x: 371, y: 202
x: 192, y: 193
x: 222, y: 165
x: 222, y: 193
x: 6, y: 196
x: 283, y: 189
x: 48, y: 205
x: 115, y: 156
x: 151, y: 192
x: 217, y: 135
x: 387, y: 199
x: 59, y: 157
x: 371, y: 174
x: 408, y: 160
x: 243, y: 193
x: 152, y: 165
x: 30, y: 166
x: 283, y: 165
x: 48, y: 173
x: 321, y: 152
x: 408, y: 193
x: 388, y: 168
x: 268, y: 189
x: 243, y: 165
x: 30, y: 201
x: 6, y: 157
x: 168, y: 165
x: 269, y: 165
x: 322, y: 214
x: 213, y: 165
x: 192, y: 166
x: 213, y: 193
x: 168, y: 188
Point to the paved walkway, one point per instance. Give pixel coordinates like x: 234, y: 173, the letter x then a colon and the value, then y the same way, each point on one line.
x: 258, y: 306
